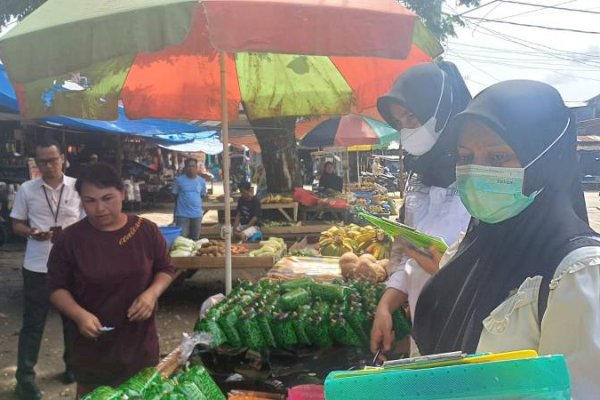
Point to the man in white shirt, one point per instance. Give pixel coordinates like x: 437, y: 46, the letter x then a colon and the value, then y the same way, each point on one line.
x: 43, y: 207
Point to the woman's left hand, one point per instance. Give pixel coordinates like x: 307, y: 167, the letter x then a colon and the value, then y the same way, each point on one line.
x: 429, y: 262
x: 142, y: 308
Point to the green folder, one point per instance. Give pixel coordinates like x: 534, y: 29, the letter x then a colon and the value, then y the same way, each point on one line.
x: 411, y: 235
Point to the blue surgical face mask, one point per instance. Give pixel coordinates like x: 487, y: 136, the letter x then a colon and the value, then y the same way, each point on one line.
x: 495, y: 194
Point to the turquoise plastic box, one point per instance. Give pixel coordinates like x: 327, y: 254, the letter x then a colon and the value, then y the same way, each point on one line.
x: 541, y: 378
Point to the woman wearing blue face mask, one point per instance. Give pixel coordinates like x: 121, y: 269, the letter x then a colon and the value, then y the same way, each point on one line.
x: 527, y: 276
x: 420, y: 105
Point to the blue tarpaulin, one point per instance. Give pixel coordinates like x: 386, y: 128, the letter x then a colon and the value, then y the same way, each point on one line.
x: 8, y: 97
x: 157, y: 129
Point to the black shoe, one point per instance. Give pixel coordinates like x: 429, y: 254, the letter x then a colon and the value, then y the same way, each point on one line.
x: 28, y: 391
x: 67, y: 377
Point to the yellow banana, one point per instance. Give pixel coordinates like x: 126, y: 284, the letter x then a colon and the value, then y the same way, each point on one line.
x: 366, y: 237
x: 371, y: 248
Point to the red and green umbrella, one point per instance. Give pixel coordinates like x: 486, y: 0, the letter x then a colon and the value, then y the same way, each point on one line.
x: 350, y: 130
x: 284, y: 58
x: 201, y: 59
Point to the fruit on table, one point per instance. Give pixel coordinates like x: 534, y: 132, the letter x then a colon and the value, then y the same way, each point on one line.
x: 277, y: 198
x: 336, y: 246
x: 338, y: 240
x: 273, y: 247
x: 369, y: 269
x: 348, y: 265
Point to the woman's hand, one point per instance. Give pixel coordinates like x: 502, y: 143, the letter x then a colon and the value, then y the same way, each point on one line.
x: 382, y: 334
x: 430, y: 263
x: 143, y: 307
x: 89, y: 325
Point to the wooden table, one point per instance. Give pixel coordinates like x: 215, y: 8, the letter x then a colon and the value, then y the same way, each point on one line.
x: 295, y: 232
x: 237, y: 262
x: 281, y: 207
x: 312, y: 213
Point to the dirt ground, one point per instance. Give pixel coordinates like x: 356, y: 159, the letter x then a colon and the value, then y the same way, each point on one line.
x: 177, y: 313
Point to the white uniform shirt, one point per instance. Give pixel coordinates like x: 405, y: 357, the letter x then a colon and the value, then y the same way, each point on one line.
x: 570, y: 325
x: 437, y: 212
x: 31, y: 205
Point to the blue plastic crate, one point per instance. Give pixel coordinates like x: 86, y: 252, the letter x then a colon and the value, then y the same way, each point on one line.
x: 170, y: 233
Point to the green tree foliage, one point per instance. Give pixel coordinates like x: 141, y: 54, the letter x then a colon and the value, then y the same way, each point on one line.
x: 440, y: 23
x: 11, y: 9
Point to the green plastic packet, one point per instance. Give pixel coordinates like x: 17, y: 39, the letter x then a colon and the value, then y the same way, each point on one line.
x: 142, y: 385
x: 202, y: 379
x: 103, y: 393
x: 190, y: 391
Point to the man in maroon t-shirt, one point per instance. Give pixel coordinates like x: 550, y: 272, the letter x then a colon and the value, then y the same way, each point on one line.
x: 106, y: 273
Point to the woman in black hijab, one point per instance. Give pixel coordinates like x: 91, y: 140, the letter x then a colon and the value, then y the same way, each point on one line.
x: 420, y: 105
x: 527, y: 276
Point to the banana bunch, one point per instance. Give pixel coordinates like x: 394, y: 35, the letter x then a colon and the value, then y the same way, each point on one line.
x: 334, y: 242
x: 374, y: 242
x: 338, y: 240
x: 380, y: 250
x: 276, y: 198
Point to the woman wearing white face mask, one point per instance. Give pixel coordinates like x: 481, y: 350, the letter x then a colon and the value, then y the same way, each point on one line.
x: 527, y: 276
x: 419, y: 105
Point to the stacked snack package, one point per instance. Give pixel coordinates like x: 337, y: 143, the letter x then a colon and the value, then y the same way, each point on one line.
x: 193, y: 384
x: 297, y: 313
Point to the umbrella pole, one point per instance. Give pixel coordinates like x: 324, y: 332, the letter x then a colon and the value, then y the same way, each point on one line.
x: 358, y: 167
x: 226, y: 160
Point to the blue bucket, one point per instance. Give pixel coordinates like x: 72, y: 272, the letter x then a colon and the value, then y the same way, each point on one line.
x: 170, y: 233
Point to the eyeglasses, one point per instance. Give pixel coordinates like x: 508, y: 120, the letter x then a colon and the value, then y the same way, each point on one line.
x: 48, y: 161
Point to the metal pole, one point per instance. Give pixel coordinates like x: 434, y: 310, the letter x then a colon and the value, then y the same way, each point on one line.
x: 358, y: 167
x: 226, y: 188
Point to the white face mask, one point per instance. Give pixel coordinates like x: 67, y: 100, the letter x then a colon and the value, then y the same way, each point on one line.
x: 418, y: 141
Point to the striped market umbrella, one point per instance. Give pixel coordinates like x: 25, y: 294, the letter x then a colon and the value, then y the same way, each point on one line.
x: 350, y: 130
x: 201, y: 59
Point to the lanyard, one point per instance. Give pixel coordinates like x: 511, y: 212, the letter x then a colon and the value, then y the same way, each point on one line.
x: 58, y: 205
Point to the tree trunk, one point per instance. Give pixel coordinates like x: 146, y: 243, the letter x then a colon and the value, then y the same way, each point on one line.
x: 277, y: 140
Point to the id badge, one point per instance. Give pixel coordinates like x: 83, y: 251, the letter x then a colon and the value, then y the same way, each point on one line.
x: 55, y: 230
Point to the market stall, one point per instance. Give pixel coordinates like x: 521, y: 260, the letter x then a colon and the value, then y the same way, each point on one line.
x: 210, y: 254
x: 287, y: 209
x: 286, y: 230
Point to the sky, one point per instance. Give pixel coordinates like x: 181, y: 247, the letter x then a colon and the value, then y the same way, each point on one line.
x: 487, y: 52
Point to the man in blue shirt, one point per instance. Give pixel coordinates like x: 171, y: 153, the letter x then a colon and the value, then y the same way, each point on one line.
x: 189, y: 189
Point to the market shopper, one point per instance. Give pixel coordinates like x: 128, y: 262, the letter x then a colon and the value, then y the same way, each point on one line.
x: 43, y: 207
x: 248, y: 215
x: 189, y: 189
x: 420, y: 105
x: 260, y: 178
x: 329, y: 182
x: 527, y: 275
x: 106, y: 274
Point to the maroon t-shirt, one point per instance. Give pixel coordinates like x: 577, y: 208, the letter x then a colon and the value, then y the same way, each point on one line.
x: 105, y: 272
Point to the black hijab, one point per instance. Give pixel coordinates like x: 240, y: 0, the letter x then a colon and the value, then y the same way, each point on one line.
x: 418, y: 90
x: 495, y: 259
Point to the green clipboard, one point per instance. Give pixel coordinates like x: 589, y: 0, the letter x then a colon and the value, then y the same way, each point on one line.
x: 411, y: 235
